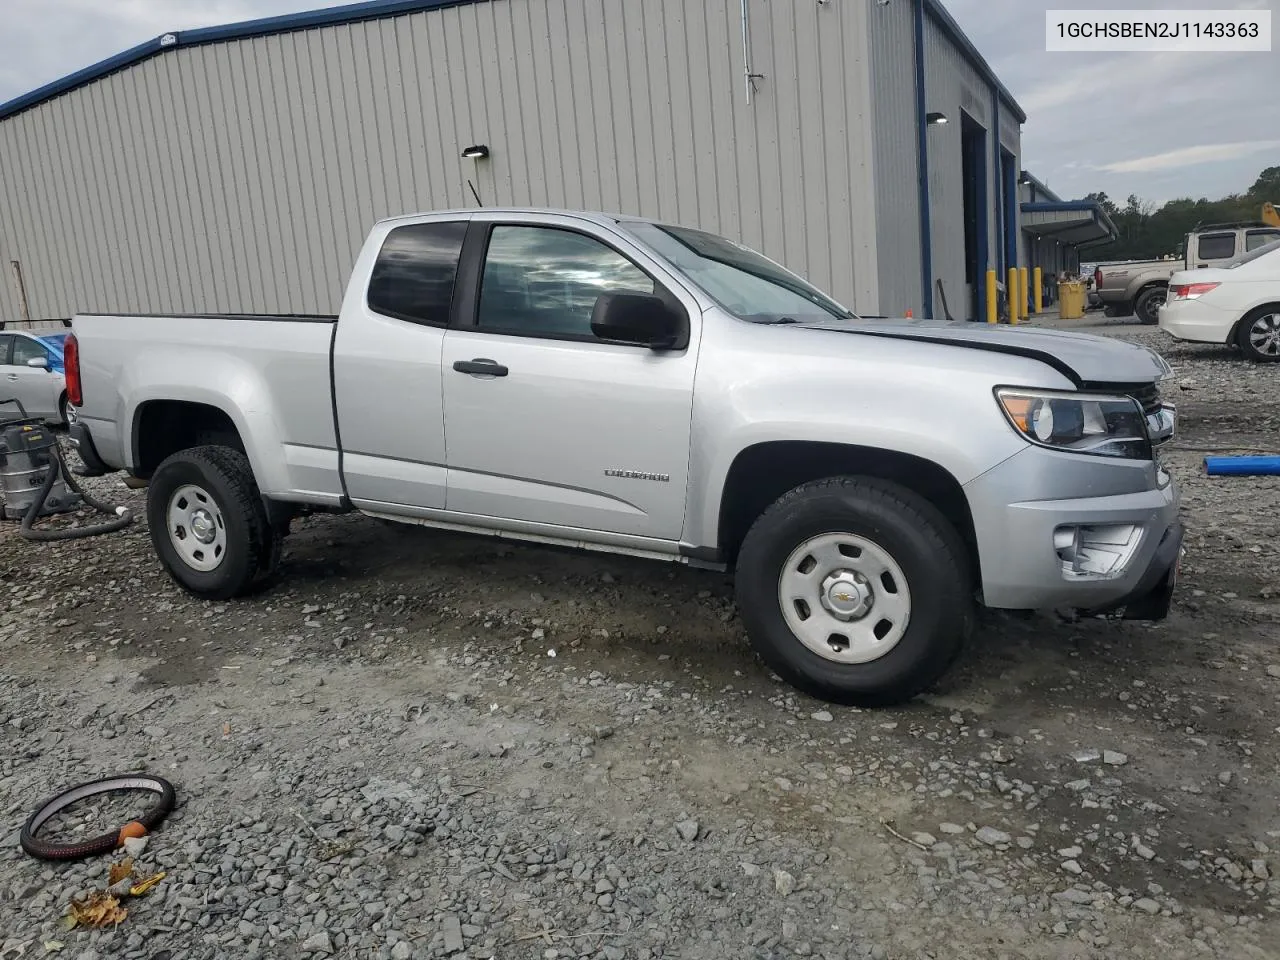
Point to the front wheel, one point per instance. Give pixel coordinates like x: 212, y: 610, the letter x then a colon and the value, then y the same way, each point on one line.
x: 209, y: 525
x: 855, y: 590
x: 1148, y: 305
x: 1259, y: 335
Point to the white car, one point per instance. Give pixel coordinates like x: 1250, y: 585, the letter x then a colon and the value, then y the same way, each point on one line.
x: 1237, y: 304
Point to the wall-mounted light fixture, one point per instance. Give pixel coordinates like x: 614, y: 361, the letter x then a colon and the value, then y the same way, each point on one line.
x: 477, y: 152
x: 1024, y: 177
x: 935, y: 119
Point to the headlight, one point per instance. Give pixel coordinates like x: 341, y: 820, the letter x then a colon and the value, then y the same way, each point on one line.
x: 1095, y: 424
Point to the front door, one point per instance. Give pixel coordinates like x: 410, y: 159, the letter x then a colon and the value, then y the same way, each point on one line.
x: 39, y: 388
x: 545, y: 423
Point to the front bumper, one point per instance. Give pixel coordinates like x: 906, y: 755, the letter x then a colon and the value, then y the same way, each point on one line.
x: 1021, y: 565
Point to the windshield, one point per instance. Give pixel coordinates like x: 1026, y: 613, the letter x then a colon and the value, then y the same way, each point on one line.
x: 743, y: 282
x: 1252, y: 255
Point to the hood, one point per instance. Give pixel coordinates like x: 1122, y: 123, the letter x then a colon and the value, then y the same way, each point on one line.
x: 1085, y: 359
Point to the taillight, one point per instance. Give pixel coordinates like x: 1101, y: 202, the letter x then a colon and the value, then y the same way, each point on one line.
x: 71, y: 369
x: 1097, y: 278
x: 1190, y: 291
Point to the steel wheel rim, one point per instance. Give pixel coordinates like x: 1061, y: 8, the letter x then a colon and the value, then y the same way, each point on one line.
x: 197, y: 529
x: 1154, y: 303
x: 845, y: 598
x: 1264, y: 335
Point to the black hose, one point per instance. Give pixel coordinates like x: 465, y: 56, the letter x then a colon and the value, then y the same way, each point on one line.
x: 122, y: 515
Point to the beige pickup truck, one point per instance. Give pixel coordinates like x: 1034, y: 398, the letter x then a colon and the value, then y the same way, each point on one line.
x: 1139, y: 287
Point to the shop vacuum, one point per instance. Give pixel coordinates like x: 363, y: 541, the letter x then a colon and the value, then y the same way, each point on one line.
x: 35, y: 481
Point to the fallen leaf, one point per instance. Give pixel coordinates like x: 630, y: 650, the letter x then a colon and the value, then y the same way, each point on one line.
x: 119, y: 871
x: 142, y: 886
x: 52, y: 946
x: 99, y: 909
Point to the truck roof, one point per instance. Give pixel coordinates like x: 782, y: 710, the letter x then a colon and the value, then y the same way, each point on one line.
x: 592, y: 216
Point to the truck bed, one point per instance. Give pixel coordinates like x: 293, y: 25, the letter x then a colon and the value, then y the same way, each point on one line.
x: 273, y: 370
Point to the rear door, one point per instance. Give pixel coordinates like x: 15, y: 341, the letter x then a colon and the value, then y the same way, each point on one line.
x: 386, y: 368
x: 569, y: 431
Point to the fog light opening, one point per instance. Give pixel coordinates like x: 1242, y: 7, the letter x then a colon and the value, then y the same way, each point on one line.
x: 1098, y: 551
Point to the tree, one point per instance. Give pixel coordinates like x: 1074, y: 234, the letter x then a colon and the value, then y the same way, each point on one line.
x: 1267, y: 186
x: 1145, y: 231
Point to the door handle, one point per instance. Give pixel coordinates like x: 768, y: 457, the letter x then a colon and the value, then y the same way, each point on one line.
x: 481, y: 367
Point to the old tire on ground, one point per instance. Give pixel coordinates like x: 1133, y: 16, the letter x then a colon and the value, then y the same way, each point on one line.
x: 1147, y: 307
x: 209, y: 525
x: 43, y: 849
x: 873, y: 563
x: 1258, y: 335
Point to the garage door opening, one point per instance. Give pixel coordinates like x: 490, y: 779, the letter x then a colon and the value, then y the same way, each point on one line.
x: 973, y: 158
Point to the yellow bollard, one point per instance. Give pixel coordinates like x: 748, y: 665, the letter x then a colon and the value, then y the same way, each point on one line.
x: 1037, y: 277
x: 1023, y: 312
x: 992, y: 312
x: 1011, y: 290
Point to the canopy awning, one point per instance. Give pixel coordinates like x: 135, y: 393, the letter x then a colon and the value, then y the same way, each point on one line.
x: 1077, y: 223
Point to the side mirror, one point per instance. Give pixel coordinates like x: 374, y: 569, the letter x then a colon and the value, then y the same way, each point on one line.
x: 639, y: 318
x: 42, y: 362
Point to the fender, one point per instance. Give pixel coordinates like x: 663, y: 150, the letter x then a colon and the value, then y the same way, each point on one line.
x: 243, y: 395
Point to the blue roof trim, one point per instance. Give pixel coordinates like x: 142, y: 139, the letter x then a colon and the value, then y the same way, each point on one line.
x: 369, y: 10
x: 957, y: 36
x: 349, y: 13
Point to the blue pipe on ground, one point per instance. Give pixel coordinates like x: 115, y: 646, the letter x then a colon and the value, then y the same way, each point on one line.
x: 1242, y: 466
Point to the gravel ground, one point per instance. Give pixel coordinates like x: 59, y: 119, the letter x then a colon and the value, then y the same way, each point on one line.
x: 421, y: 745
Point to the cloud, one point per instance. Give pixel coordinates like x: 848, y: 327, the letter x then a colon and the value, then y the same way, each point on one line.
x: 1190, y: 156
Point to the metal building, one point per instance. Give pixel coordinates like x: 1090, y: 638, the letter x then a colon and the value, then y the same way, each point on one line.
x: 238, y: 168
x: 1056, y: 231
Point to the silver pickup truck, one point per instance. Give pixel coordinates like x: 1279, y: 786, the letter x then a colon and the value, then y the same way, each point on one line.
x: 633, y: 387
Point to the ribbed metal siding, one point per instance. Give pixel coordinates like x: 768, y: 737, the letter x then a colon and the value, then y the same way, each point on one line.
x: 891, y: 31
x: 243, y: 176
x: 952, y: 85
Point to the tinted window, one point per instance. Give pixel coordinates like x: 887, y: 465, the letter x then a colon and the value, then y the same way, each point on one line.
x: 5, y: 343
x: 25, y: 349
x: 545, y: 282
x: 413, y: 276
x: 1217, y: 246
x: 1259, y: 238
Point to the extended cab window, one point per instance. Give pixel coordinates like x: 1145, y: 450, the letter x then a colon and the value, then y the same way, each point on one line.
x: 414, y: 274
x: 1217, y: 246
x: 543, y: 281
x: 1259, y: 238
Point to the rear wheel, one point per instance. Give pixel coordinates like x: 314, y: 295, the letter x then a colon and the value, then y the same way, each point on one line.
x: 855, y: 590
x: 66, y: 412
x: 1259, y: 334
x: 209, y: 524
x: 1147, y: 307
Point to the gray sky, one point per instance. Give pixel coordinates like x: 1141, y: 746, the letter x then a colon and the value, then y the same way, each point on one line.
x: 1160, y: 125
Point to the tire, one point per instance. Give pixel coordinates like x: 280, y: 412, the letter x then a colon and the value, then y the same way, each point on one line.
x: 95, y: 846
x: 928, y: 553
x: 212, y: 493
x: 1258, y: 335
x: 1147, y: 307
x: 66, y: 412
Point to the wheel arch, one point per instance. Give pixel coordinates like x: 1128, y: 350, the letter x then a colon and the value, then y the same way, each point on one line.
x: 763, y: 472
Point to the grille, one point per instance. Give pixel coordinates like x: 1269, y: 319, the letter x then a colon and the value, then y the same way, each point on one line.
x: 1148, y: 395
